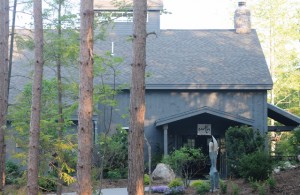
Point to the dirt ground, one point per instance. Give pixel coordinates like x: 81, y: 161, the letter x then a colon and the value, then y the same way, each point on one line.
x: 287, y: 182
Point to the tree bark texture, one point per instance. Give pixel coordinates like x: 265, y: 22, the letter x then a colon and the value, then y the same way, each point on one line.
x: 137, y: 101
x: 85, y: 124
x: 4, y: 31
x: 33, y: 153
x: 59, y: 96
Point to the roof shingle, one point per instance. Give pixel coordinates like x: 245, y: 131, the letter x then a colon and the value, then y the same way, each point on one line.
x: 197, y: 59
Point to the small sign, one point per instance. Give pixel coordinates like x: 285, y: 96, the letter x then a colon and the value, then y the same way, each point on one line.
x: 204, y: 129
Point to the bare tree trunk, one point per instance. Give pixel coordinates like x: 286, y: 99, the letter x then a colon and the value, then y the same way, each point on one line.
x: 59, y: 96
x: 33, y: 153
x: 12, y: 37
x: 4, y: 31
x: 85, y: 125
x: 137, y: 101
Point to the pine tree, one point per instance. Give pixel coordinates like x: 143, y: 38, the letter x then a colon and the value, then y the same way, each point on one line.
x: 33, y: 153
x: 4, y: 30
x: 85, y: 113
x: 137, y: 101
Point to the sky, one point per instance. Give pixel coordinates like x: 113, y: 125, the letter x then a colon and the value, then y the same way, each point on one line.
x: 198, y: 14
x: 186, y: 14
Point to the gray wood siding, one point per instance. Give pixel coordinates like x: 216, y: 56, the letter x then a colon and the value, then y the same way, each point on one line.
x: 162, y: 103
x: 125, y: 28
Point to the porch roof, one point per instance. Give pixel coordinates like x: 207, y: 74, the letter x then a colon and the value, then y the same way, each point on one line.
x: 202, y: 110
x: 289, y: 120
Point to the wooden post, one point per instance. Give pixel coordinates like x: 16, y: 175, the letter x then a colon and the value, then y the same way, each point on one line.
x: 165, y: 139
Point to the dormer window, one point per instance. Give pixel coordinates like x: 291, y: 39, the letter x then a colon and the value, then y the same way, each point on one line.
x: 115, y: 16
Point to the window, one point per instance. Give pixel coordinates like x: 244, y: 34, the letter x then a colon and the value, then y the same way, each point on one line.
x: 116, y: 16
x: 190, y: 142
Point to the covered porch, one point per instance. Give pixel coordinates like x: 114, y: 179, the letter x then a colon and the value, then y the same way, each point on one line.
x: 195, y: 127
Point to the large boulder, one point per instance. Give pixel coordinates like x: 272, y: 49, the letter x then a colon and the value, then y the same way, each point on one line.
x: 163, y: 172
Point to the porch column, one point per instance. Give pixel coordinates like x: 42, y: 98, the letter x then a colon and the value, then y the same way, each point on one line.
x: 165, y: 139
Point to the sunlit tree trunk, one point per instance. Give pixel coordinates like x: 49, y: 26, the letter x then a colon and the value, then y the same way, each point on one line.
x: 137, y: 101
x: 33, y: 153
x: 4, y: 31
x: 85, y: 112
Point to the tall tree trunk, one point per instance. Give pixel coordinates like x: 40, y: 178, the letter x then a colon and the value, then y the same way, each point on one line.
x: 85, y: 123
x: 4, y: 31
x: 59, y: 95
x: 33, y: 153
x: 12, y: 37
x: 137, y: 101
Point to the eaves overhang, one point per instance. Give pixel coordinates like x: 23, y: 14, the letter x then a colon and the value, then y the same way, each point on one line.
x: 211, y: 86
x: 204, y: 86
x: 199, y: 111
x: 282, y: 116
x: 108, y: 5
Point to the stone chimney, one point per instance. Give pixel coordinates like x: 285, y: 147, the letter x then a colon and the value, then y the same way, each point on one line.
x: 242, y: 19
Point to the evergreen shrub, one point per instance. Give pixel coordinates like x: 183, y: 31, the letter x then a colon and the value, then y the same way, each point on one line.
x: 203, y: 188
x: 146, y: 179
x: 256, y: 165
x: 186, y: 162
x: 12, y: 171
x: 239, y: 142
x: 47, y: 183
x: 223, y: 187
x: 175, y: 183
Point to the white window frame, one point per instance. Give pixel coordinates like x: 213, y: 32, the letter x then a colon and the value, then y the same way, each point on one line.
x: 116, y: 16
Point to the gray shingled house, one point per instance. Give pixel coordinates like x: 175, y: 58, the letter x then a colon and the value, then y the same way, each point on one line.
x: 199, y: 83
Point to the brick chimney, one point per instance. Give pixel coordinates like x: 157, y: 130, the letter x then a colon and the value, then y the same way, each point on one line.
x: 242, y: 19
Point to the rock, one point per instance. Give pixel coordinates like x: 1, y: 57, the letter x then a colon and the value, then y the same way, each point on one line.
x: 163, y: 172
x: 288, y: 165
x: 277, y: 170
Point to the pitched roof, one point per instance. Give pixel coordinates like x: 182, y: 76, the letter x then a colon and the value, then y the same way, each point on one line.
x: 116, y: 4
x: 199, y: 111
x: 282, y: 116
x: 197, y: 59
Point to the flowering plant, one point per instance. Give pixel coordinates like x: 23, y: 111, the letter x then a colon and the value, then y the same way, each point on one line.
x: 159, y: 189
x: 175, y: 190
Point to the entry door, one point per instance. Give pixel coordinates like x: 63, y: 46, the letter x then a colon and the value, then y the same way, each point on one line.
x: 202, y: 142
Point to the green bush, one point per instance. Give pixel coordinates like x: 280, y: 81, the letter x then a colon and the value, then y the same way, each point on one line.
x: 47, y: 183
x: 272, y: 183
x: 261, y: 189
x: 114, y: 174
x: 12, y: 172
x: 203, y: 188
x: 284, y: 147
x: 197, y: 183
x: 223, y: 187
x: 186, y: 162
x: 256, y: 165
x: 235, y: 189
x: 175, y: 183
x: 111, y: 156
x: 146, y: 179
x: 240, y: 141
x: 289, y: 144
x: 253, y: 184
x: 296, y: 140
